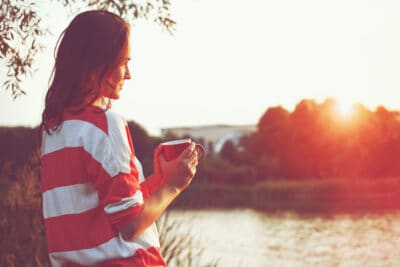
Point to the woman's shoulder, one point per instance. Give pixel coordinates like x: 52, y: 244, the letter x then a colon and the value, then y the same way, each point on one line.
x: 114, y: 116
x: 92, y: 115
x: 115, y: 120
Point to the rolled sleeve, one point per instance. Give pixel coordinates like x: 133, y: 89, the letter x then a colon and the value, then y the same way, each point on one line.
x: 121, y: 198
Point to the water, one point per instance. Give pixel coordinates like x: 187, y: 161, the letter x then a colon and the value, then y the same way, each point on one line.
x: 245, y: 237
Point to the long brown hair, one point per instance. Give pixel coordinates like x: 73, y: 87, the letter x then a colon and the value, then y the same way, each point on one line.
x: 89, y: 49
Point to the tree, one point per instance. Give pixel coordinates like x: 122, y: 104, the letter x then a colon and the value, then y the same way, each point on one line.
x: 229, y: 152
x: 144, y: 145
x: 21, y: 31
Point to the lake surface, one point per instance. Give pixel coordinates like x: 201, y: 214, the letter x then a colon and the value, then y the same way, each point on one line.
x: 244, y: 237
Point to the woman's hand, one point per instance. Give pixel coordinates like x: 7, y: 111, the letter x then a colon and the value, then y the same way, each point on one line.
x: 175, y: 175
x: 179, y: 172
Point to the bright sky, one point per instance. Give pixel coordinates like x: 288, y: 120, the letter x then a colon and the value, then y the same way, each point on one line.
x: 229, y: 60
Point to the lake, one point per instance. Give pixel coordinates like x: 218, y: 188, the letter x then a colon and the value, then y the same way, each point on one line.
x: 245, y: 237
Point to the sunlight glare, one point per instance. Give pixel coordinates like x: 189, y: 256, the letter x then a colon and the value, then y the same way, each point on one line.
x: 345, y: 109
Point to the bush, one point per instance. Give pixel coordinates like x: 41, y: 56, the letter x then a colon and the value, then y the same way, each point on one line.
x: 217, y: 170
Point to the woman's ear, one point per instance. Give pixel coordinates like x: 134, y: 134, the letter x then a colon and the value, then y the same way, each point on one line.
x: 94, y: 80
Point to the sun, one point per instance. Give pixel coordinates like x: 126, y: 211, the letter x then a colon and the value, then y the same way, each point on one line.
x: 344, y: 108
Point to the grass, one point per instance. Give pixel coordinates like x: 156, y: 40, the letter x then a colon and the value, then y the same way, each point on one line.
x: 22, y: 241
x: 178, y: 248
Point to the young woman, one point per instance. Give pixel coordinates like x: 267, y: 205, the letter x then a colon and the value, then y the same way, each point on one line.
x: 98, y: 208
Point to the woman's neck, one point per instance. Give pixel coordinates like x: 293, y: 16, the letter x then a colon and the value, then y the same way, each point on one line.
x: 102, y: 102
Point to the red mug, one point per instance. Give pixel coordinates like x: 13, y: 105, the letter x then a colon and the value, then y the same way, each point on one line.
x: 172, y: 149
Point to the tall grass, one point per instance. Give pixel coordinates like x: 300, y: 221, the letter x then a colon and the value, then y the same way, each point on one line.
x: 22, y: 241
x: 178, y: 248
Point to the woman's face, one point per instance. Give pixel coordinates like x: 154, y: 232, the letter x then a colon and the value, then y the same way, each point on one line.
x: 114, y: 82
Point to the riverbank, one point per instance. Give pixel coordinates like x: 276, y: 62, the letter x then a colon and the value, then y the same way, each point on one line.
x: 332, y: 195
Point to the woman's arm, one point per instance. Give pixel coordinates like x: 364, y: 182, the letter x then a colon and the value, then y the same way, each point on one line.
x: 153, y: 207
x: 177, y: 174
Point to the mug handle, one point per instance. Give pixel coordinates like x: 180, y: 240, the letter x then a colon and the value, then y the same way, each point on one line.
x: 201, y: 151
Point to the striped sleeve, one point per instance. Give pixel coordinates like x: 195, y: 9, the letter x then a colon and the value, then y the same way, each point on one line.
x: 150, y: 185
x: 115, y: 176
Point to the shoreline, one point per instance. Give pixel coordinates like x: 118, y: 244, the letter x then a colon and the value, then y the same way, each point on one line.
x: 318, y: 196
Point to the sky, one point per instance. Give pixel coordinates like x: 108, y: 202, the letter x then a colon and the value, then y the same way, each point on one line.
x: 228, y: 61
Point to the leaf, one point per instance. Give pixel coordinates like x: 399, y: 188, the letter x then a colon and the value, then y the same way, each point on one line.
x: 4, y: 48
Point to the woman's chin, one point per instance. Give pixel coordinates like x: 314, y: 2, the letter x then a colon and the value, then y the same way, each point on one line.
x: 114, y: 96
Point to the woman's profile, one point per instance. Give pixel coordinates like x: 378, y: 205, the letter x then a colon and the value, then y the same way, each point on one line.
x: 99, y: 209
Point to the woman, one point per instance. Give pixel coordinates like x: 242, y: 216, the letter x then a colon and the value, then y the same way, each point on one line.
x: 98, y: 208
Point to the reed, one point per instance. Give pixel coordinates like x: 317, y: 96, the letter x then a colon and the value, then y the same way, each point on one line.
x: 178, y: 248
x: 22, y: 241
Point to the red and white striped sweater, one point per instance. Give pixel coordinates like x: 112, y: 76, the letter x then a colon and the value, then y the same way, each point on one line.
x: 92, y: 183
